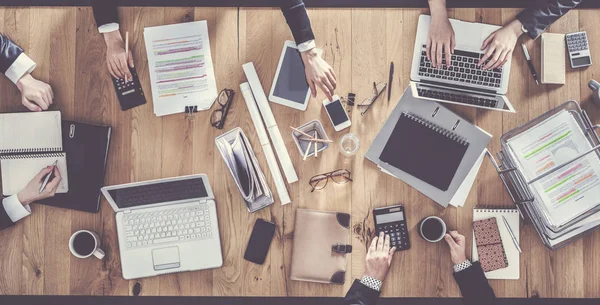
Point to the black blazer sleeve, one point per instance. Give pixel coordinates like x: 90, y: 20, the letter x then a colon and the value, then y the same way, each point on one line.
x: 474, y: 286
x: 359, y: 294
x: 537, y: 20
x: 297, y: 19
x: 9, y: 52
x: 5, y: 221
x: 105, y: 12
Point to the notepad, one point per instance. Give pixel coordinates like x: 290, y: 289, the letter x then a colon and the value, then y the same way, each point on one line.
x: 425, y: 150
x: 512, y: 272
x: 18, y: 170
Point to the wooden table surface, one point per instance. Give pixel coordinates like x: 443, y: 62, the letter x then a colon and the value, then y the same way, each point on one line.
x: 359, y: 44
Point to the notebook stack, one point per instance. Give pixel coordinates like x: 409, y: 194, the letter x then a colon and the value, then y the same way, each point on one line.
x: 430, y: 148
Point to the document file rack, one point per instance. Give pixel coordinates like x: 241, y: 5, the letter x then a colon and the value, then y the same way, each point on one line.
x: 525, y: 197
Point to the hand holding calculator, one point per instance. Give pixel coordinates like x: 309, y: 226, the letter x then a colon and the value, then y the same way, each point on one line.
x: 392, y: 221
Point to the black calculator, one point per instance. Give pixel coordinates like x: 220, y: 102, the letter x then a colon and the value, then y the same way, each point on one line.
x: 130, y: 93
x: 391, y: 220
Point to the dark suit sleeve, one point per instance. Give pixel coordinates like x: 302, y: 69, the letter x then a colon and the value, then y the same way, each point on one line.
x: 9, y: 52
x: 297, y: 19
x: 5, y: 221
x: 537, y: 20
x: 474, y: 286
x: 105, y: 12
x: 359, y: 294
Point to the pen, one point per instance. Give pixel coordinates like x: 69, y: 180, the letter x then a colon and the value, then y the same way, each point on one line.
x: 126, y: 49
x: 530, y: 64
x: 390, y: 81
x: 48, y: 176
x: 512, y: 235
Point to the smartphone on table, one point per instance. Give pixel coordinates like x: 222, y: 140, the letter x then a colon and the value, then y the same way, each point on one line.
x: 260, y: 241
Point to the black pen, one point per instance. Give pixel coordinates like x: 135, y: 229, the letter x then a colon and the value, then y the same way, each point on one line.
x: 531, y: 67
x: 390, y: 81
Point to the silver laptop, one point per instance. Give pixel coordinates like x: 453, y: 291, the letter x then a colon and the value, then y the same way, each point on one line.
x: 166, y: 225
x: 463, y: 82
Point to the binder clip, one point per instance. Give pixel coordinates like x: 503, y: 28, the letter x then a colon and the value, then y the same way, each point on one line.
x: 350, y: 99
x: 189, y: 111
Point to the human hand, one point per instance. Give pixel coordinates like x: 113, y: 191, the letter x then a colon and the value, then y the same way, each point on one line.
x: 318, y: 73
x: 35, y: 95
x: 31, y: 192
x: 457, y: 244
x: 500, y: 45
x: 117, y: 60
x: 440, y: 36
x: 379, y: 257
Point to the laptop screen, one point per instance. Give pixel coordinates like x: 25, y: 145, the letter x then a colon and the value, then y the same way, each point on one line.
x: 159, y: 192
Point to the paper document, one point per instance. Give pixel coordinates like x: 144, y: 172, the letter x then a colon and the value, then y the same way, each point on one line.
x: 181, y: 68
x: 572, y: 190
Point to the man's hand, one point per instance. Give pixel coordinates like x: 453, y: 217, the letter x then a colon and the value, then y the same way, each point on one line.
x: 457, y: 245
x: 31, y: 192
x: 117, y: 60
x: 318, y: 73
x: 35, y: 95
x: 500, y: 45
x: 440, y: 36
x: 379, y: 257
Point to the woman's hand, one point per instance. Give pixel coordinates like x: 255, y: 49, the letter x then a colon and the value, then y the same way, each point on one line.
x: 35, y: 95
x: 500, y: 45
x: 318, y: 73
x: 31, y: 192
x: 440, y: 36
x: 117, y: 60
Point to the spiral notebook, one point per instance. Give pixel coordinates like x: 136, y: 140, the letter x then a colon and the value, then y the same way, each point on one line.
x: 424, y: 150
x: 512, y: 271
x: 30, y: 141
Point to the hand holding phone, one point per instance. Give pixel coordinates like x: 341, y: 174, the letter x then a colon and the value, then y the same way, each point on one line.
x: 260, y: 241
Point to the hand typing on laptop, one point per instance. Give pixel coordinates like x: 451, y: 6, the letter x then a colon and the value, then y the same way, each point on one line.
x: 441, y: 34
x: 500, y: 45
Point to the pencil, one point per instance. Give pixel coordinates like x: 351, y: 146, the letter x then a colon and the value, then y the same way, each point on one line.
x: 127, y: 50
x: 316, y: 145
x: 315, y: 140
x: 307, y: 150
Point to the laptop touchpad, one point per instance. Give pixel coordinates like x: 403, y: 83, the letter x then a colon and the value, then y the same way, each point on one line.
x: 166, y: 258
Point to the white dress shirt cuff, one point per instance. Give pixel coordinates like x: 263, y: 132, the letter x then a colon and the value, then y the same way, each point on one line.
x: 14, y: 209
x: 306, y: 46
x: 19, y: 67
x: 109, y: 27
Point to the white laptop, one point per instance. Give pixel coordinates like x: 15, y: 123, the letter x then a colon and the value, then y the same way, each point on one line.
x: 166, y: 225
x: 463, y: 82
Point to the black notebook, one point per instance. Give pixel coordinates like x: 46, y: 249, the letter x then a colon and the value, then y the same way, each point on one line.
x: 424, y: 150
x: 87, y: 147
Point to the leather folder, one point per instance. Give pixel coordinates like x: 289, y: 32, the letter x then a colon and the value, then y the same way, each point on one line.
x: 321, y: 242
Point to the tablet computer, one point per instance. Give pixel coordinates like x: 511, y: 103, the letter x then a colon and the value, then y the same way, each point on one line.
x: 289, y: 85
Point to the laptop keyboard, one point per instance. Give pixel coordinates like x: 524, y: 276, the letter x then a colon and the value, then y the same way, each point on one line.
x: 458, y: 98
x: 168, y: 225
x: 159, y: 192
x: 463, y: 69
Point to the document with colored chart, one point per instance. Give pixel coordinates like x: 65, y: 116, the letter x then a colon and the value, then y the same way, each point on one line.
x: 572, y: 190
x: 181, y: 68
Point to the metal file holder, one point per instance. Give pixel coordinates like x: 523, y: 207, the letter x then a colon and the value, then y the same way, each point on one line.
x: 525, y: 197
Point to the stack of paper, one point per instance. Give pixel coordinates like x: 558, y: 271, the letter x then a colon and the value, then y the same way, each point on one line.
x: 181, y: 68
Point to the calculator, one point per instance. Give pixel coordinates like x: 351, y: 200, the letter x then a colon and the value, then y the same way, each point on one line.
x: 129, y: 93
x: 391, y: 220
x: 579, y: 50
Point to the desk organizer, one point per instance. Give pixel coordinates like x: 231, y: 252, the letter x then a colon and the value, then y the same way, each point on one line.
x: 310, y: 128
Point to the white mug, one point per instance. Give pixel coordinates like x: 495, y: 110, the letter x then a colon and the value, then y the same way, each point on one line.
x: 97, y: 252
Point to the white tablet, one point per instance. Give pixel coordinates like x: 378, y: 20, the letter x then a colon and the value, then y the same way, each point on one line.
x: 289, y: 85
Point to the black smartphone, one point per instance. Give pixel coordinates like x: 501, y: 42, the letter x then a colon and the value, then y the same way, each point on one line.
x: 260, y: 241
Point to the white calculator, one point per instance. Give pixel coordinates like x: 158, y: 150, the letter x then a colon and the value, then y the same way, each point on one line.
x: 579, y: 50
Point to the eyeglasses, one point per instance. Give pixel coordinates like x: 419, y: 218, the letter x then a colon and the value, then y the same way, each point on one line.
x: 365, y: 105
x: 340, y: 176
x: 218, y: 117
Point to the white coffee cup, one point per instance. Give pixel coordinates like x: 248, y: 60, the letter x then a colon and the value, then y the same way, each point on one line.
x: 442, y: 229
x: 86, y: 245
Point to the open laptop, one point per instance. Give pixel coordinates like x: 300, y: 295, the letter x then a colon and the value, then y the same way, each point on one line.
x: 463, y: 82
x: 166, y: 225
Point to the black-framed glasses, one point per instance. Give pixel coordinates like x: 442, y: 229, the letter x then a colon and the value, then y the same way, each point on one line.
x: 340, y: 176
x: 224, y: 100
x: 365, y: 105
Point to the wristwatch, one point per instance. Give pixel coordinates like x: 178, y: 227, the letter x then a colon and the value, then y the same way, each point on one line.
x: 523, y: 29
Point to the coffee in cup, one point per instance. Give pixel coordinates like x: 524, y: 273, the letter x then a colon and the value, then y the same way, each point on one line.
x: 84, y: 244
x: 432, y: 229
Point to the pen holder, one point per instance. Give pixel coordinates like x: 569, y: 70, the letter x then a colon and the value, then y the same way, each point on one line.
x: 310, y: 128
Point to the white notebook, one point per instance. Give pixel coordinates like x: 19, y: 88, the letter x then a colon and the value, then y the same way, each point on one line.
x: 18, y: 170
x: 30, y: 132
x: 513, y: 271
